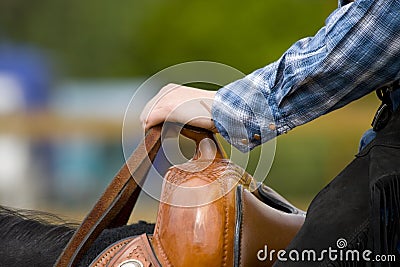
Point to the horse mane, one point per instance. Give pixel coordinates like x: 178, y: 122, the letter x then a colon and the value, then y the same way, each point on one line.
x: 36, y: 238
x: 32, y: 238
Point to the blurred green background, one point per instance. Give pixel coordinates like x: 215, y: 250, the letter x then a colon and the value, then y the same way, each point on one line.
x: 96, y: 44
x: 99, y: 38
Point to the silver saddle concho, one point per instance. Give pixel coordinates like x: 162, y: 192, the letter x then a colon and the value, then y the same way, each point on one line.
x: 208, y: 216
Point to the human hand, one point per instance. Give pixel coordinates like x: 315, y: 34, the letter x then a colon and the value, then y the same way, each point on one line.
x: 178, y: 103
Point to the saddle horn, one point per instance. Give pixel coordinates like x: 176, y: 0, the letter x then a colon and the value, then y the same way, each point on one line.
x: 115, y: 206
x: 206, y: 215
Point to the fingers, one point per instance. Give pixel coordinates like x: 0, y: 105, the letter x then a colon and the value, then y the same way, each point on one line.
x: 179, y: 104
x: 156, y: 116
x: 156, y: 109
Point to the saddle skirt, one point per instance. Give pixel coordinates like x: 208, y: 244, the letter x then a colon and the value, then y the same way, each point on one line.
x: 208, y: 216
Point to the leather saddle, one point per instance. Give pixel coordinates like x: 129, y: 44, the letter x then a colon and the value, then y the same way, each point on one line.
x: 211, y: 213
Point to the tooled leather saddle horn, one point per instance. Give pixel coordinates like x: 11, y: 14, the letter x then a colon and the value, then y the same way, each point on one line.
x: 208, y: 214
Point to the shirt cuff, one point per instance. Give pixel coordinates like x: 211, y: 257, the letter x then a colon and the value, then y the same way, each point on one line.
x: 244, y: 114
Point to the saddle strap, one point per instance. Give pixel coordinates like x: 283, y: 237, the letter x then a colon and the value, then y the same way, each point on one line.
x: 115, y: 205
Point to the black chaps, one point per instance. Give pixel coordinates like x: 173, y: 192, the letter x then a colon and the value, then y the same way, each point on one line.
x: 359, y: 210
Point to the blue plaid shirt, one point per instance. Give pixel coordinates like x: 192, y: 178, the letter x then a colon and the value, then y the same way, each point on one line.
x: 357, y: 51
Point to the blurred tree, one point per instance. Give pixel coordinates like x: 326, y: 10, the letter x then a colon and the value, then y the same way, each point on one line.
x: 138, y: 38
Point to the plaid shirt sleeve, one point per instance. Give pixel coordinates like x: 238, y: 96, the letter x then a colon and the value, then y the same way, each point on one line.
x: 356, y: 51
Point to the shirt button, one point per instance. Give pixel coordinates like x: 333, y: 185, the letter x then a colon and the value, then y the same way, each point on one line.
x: 257, y: 137
x: 272, y: 126
x: 244, y: 141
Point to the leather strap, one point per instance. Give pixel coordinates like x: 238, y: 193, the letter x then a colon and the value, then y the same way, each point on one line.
x: 115, y: 205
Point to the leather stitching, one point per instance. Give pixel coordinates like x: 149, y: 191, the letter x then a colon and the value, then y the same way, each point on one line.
x: 241, y: 226
x: 226, y: 233
x: 110, y: 253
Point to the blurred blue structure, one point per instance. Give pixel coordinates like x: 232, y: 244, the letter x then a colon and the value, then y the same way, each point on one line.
x: 25, y: 80
x: 53, y: 171
x: 31, y: 69
x: 83, y: 164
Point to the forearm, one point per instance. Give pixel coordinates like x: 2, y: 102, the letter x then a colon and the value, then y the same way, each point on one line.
x: 357, y: 51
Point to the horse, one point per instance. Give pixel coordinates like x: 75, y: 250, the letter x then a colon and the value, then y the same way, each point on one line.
x: 35, y: 238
